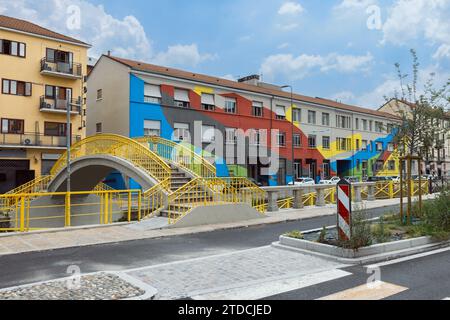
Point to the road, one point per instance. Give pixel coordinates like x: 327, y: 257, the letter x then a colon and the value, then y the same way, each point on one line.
x: 41, y: 266
x: 423, y: 278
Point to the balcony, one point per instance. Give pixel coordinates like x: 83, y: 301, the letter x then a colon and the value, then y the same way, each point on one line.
x: 61, y: 69
x: 34, y: 141
x: 60, y: 106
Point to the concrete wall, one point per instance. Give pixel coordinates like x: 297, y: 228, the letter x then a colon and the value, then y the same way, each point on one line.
x: 112, y: 111
x: 218, y: 214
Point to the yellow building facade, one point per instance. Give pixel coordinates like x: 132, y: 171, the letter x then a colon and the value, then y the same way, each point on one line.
x: 42, y: 75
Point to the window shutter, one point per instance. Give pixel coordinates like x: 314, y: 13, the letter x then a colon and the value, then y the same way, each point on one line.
x: 151, y: 90
x: 28, y: 89
x: 208, y: 99
x: 152, y: 125
x: 181, y: 95
x: 281, y: 111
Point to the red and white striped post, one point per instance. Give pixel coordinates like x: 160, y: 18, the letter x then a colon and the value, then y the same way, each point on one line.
x: 344, y: 210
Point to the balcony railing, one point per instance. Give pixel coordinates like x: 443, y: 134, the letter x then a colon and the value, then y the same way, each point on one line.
x: 65, y: 69
x: 59, y: 105
x: 29, y: 140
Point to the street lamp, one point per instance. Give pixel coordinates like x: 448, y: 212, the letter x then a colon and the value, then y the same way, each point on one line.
x: 292, y: 129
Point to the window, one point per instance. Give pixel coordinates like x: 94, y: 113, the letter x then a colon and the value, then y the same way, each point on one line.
x: 312, y: 141
x: 311, y: 117
x: 99, y: 94
x: 13, y: 48
x: 343, y: 144
x: 390, y: 128
x: 17, y: 88
x: 181, y: 98
x: 281, y: 139
x: 208, y: 134
x: 298, y: 169
x: 379, y: 146
x: 326, y: 143
x: 364, y: 124
x: 326, y: 119
x: 357, y: 124
x: 378, y: 126
x: 257, y: 109
x: 370, y: 125
x: 391, y: 147
x: 280, y: 112
x: 13, y: 126
x: 391, y: 165
x: 358, y: 146
x: 343, y: 122
x: 230, y: 105
x: 255, y: 137
x: 152, y: 93
x: 55, y: 129
x: 53, y: 55
x: 181, y: 131
x: 152, y: 128
x: 98, y: 128
x: 296, y: 115
x: 379, y: 165
x: 230, y: 136
x: 208, y: 102
x: 297, y: 141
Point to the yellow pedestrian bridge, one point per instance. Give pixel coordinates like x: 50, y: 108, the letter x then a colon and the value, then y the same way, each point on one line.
x: 177, y: 185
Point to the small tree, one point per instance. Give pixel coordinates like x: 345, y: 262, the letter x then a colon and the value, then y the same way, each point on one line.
x: 421, y: 113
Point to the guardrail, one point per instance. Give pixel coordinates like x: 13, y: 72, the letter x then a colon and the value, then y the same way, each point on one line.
x: 37, y: 211
x: 297, y: 197
x: 65, y: 68
x: 180, y: 155
x: 34, y: 139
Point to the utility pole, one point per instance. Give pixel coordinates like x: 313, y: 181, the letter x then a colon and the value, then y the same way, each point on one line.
x: 292, y: 130
x: 68, y: 141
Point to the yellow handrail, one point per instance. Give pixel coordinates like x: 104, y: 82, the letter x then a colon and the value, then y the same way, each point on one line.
x: 115, y: 145
x: 180, y: 155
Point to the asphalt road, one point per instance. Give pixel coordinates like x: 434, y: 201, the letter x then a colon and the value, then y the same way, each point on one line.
x: 426, y: 278
x: 42, y: 266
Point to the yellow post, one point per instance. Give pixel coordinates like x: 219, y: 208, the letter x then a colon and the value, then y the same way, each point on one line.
x: 68, y: 222
x: 106, y: 219
x: 139, y: 205
x: 391, y: 189
x: 129, y: 206
x: 22, y: 214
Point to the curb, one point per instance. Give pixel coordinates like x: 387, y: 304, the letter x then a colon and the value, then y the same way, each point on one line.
x: 383, y: 257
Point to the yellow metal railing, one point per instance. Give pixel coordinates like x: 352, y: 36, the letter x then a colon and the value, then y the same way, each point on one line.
x: 214, y: 191
x: 115, y: 145
x: 36, y: 211
x: 180, y: 155
x: 154, y: 199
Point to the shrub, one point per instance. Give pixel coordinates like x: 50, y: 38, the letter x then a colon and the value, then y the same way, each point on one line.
x: 436, y: 216
x: 381, y: 232
x: 361, y: 231
x: 322, y: 236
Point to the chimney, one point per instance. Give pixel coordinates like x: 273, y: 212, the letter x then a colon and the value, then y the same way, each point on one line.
x: 109, y: 53
x: 252, y: 79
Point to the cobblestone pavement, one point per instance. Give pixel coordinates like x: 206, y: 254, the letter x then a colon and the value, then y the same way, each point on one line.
x: 101, y: 286
x: 194, y: 277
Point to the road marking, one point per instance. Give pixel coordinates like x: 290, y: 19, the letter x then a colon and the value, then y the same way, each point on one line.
x: 376, y: 291
x: 272, y: 288
x: 416, y: 256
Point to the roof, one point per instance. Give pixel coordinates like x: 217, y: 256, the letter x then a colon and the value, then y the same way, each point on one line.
x: 150, y: 68
x: 25, y: 26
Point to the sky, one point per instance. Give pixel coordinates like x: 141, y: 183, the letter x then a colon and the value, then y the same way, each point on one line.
x: 337, y: 49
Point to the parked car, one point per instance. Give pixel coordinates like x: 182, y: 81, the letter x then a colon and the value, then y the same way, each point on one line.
x: 378, y: 179
x: 259, y: 184
x: 333, y: 180
x: 395, y: 179
x: 352, y: 179
x: 303, y: 182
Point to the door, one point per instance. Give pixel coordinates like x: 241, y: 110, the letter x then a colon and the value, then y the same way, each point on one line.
x: 24, y: 176
x: 8, y: 177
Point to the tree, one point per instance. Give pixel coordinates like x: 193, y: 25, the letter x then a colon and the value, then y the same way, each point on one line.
x: 421, y: 112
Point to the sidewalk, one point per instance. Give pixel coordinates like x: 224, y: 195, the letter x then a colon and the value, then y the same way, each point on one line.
x: 88, y: 236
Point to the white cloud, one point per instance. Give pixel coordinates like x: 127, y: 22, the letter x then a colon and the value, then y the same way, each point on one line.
x: 294, y: 68
x: 124, y: 37
x: 182, y: 55
x: 229, y: 77
x: 442, y: 52
x: 290, y: 8
x: 354, y: 5
x: 411, y: 19
x: 283, y: 45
